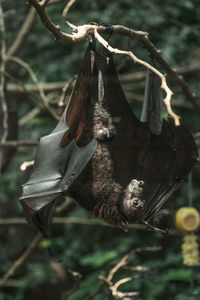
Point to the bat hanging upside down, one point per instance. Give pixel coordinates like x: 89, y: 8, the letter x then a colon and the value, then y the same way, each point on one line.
x: 101, y: 154
x: 96, y: 188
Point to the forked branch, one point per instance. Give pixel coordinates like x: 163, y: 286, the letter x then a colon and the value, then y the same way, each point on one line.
x: 80, y: 32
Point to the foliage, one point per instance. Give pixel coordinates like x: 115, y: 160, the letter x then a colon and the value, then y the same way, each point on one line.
x: 93, y: 250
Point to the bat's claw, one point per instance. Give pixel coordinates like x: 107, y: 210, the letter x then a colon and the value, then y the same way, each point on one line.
x: 109, y: 29
x: 156, y: 229
x: 124, y: 226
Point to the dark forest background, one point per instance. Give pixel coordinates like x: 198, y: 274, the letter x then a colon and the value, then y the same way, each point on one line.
x: 84, y: 244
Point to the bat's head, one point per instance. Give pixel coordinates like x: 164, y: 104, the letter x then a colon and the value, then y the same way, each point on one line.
x: 132, y: 203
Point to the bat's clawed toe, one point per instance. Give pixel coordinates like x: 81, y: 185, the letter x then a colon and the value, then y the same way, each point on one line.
x: 124, y: 226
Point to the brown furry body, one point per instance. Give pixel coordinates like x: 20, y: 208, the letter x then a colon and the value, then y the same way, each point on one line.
x: 96, y: 189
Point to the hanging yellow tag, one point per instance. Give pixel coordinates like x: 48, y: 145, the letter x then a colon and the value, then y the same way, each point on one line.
x: 188, y: 221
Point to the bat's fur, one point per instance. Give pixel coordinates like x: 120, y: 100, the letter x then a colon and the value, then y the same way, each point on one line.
x: 96, y: 189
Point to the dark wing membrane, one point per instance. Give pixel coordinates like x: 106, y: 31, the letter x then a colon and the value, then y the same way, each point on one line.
x: 181, y: 158
x: 57, y: 167
x: 161, y: 160
x: 131, y: 142
x: 156, y: 164
x: 76, y: 114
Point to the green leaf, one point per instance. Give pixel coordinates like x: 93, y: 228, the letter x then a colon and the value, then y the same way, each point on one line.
x: 181, y: 274
x: 98, y: 259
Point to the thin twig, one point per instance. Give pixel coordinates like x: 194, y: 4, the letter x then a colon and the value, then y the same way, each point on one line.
x: 84, y: 30
x: 113, y: 287
x: 32, y: 88
x: 27, y: 143
x: 179, y: 78
x: 44, y: 3
x: 3, y: 82
x: 119, y: 265
x: 22, y: 259
x: 11, y: 283
x: 95, y: 292
x: 67, y: 7
x: 29, y: 116
x: 80, y: 32
x: 56, y: 86
x: 26, y: 164
x: 23, y: 32
x: 164, y: 86
x: 64, y: 205
x: 67, y: 85
x: 79, y: 221
x: 37, y: 83
x: 124, y: 280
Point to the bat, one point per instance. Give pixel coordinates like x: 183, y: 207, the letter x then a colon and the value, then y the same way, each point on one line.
x: 103, y: 156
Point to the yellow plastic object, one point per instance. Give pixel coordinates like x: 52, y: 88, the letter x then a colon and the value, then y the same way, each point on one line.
x: 187, y: 219
x: 190, y: 250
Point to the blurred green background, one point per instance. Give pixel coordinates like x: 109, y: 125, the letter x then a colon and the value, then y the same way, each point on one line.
x: 93, y: 250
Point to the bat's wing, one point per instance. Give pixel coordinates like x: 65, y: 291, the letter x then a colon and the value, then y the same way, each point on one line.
x: 129, y: 145
x: 170, y: 156
x: 161, y: 160
x: 167, y: 163
x: 59, y: 160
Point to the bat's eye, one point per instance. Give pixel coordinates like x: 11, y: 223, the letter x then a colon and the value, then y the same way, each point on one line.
x: 135, y: 202
x: 141, y: 184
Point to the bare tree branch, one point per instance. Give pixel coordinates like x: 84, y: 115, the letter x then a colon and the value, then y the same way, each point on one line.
x: 2, y: 81
x: 29, y: 116
x: 37, y: 83
x: 83, y: 31
x: 164, y: 86
x: 14, y: 89
x: 80, y: 32
x: 22, y: 259
x: 67, y: 85
x: 113, y: 287
x: 26, y: 255
x: 95, y: 292
x: 67, y: 7
x: 57, y: 86
x: 26, y: 143
x: 80, y: 221
x: 179, y: 78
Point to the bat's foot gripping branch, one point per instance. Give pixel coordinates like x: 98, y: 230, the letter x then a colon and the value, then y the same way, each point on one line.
x: 165, y: 232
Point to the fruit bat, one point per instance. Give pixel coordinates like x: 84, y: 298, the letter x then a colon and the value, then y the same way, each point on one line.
x: 102, y: 155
